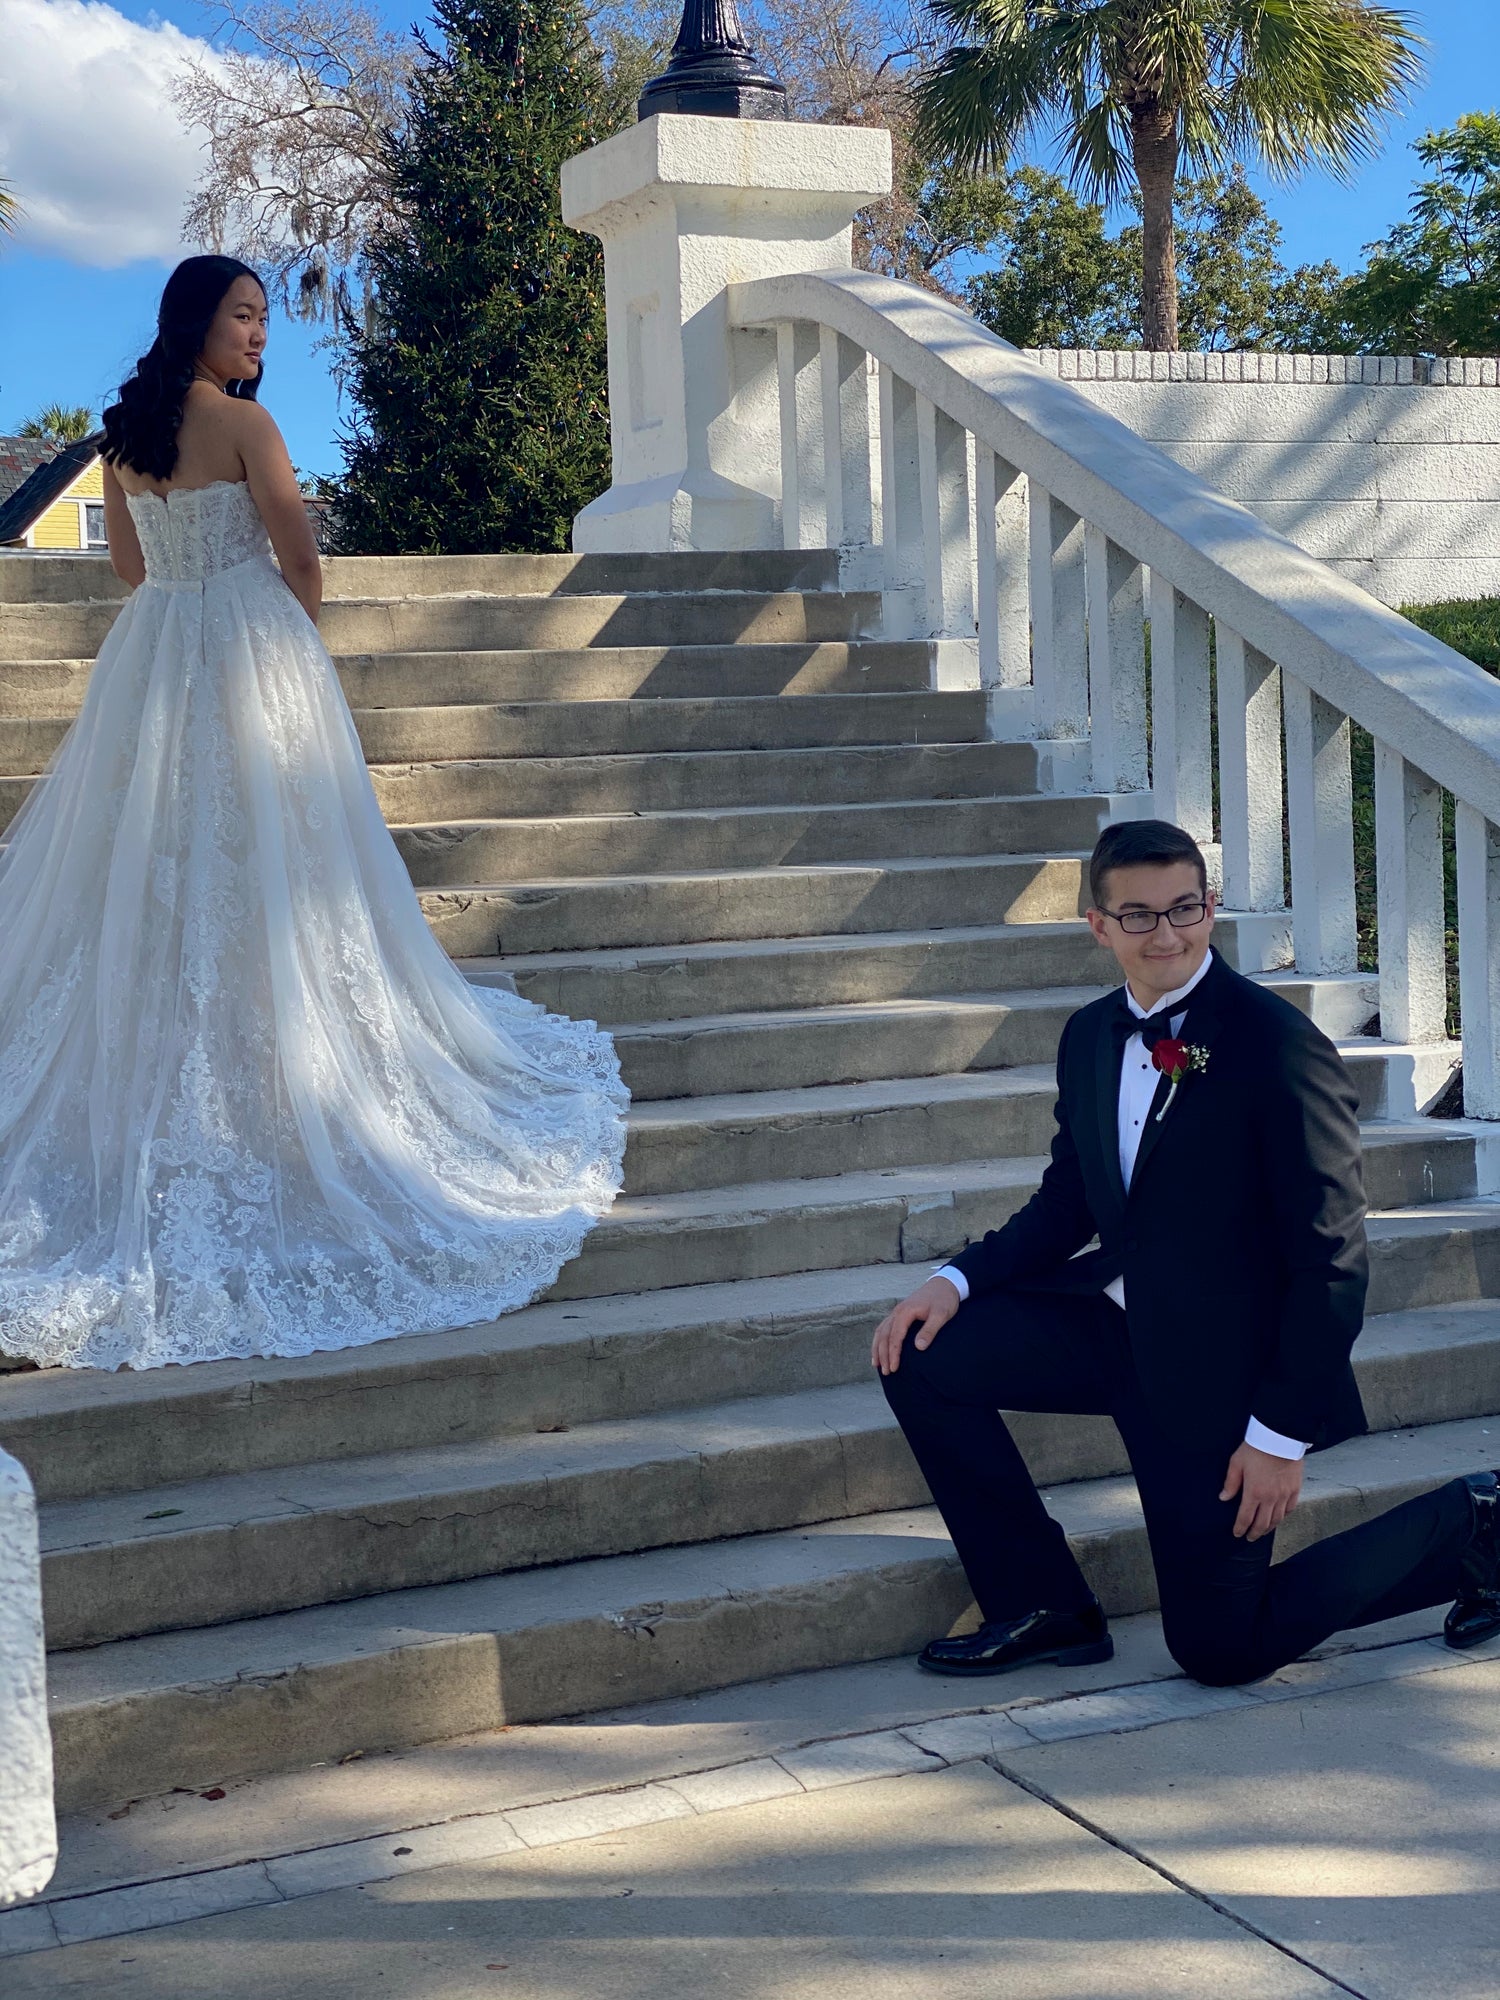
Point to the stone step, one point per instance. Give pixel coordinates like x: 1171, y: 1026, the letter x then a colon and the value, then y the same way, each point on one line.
x: 661, y: 727
x: 513, y: 788
x: 247, y: 1545
x: 468, y: 731
x: 797, y: 1049
x: 434, y: 623
x: 64, y: 579
x: 923, y: 1213
x: 457, y: 853
x: 686, y: 982
x: 690, y: 1144
x: 592, y: 914
x: 138, y: 1716
x: 85, y: 1435
x: 54, y: 687
x: 887, y: 1084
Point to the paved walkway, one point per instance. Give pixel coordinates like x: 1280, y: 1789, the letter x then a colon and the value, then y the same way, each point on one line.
x: 1113, y: 1833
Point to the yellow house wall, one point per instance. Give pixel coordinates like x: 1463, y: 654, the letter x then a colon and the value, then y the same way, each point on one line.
x: 60, y: 527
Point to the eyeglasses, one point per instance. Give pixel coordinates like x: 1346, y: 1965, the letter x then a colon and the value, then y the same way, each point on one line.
x: 1181, y: 916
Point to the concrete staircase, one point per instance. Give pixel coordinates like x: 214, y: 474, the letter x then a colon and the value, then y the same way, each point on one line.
x: 836, y: 933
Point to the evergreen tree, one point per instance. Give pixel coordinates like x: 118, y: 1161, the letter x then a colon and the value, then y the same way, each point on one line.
x: 482, y: 419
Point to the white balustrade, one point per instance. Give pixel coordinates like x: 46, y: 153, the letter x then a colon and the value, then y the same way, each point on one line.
x: 1320, y: 820
x: 903, y: 576
x: 804, y: 471
x: 1477, y: 853
x: 1002, y: 595
x: 1017, y: 527
x: 1409, y: 875
x: 1251, y: 795
x: 1182, y: 772
x: 948, y: 577
x: 1116, y: 664
x: 848, y: 488
x: 1059, y: 619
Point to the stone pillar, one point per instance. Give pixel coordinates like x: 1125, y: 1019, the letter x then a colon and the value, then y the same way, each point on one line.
x: 28, y: 1828
x: 684, y: 207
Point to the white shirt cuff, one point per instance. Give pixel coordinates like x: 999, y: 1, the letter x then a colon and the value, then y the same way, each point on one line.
x: 1263, y: 1439
x: 955, y: 1278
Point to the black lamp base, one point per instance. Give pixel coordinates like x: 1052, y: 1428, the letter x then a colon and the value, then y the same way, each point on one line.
x: 705, y: 97
x: 713, y: 72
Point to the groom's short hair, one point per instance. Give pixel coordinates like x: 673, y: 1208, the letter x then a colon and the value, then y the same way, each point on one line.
x: 1135, y: 843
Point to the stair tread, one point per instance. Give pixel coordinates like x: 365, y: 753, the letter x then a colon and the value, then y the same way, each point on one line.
x: 845, y: 1100
x: 650, y: 1588
x: 623, y: 958
x: 1048, y: 800
x: 488, y: 1465
x: 854, y: 1012
x: 914, y: 864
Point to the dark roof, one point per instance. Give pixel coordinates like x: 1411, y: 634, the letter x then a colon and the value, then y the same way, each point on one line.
x: 19, y: 458
x: 51, y: 478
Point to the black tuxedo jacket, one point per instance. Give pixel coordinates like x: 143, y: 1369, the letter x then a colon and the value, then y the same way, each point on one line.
x: 1241, y: 1240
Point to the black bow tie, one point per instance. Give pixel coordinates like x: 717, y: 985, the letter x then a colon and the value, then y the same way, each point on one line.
x: 1155, y: 1028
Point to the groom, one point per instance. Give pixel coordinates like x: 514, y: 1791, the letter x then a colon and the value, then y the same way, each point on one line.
x: 1207, y: 1135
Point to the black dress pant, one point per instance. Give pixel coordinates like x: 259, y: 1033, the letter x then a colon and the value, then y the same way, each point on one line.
x: 1228, y: 1614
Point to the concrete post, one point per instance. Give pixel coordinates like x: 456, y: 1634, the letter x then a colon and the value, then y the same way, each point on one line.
x: 28, y: 1827
x: 684, y: 207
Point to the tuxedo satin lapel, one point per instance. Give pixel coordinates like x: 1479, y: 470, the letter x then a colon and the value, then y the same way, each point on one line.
x: 1107, y: 1060
x: 1202, y: 1010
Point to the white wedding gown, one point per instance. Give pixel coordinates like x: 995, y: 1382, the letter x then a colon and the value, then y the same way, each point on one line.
x: 247, y: 1105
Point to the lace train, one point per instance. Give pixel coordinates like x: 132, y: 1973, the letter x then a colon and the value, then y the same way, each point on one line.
x: 247, y: 1105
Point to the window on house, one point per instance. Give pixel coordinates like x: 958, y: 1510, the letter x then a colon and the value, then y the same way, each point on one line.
x: 94, y: 536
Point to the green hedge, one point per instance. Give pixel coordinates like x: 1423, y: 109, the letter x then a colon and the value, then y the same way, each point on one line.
x: 1468, y: 624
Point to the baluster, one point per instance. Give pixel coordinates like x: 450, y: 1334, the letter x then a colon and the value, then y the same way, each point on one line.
x: 1250, y: 793
x: 849, y: 501
x: 1059, y: 659
x: 1181, y: 742
x: 943, y: 462
x: 1117, y: 664
x: 1477, y: 845
x: 902, y: 579
x: 804, y: 520
x: 1409, y: 900
x: 1002, y: 604
x: 1320, y: 819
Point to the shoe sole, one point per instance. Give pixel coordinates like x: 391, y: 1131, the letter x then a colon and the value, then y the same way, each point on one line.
x: 1466, y: 1644
x: 1065, y: 1656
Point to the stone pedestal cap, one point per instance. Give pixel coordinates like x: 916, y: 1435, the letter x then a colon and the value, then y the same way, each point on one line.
x: 673, y: 151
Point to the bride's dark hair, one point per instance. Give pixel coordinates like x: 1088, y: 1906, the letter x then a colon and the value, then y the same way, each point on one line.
x: 141, y: 429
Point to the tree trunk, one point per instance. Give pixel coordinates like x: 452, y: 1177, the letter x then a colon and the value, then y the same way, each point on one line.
x: 1153, y: 143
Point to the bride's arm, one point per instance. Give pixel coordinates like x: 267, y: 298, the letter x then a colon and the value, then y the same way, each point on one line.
x: 274, y: 489
x: 125, y: 557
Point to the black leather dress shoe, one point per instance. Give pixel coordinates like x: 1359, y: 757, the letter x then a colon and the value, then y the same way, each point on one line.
x: 1071, y: 1638
x: 1476, y: 1615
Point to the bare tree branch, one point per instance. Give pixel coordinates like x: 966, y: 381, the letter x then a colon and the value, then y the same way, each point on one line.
x: 296, y: 106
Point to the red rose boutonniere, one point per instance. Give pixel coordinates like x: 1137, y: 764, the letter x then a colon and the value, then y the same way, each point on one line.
x: 1177, y: 1060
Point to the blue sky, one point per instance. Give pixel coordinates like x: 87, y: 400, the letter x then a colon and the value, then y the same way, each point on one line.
x: 73, y: 315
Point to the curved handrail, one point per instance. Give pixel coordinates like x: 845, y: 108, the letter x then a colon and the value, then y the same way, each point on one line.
x: 1440, y: 710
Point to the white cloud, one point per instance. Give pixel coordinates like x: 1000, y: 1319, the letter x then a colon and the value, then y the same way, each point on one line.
x: 89, y: 140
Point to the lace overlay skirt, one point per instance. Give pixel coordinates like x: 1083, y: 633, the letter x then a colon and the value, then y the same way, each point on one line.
x: 247, y: 1105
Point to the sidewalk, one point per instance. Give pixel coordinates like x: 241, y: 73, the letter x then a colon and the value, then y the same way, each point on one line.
x: 1110, y: 1834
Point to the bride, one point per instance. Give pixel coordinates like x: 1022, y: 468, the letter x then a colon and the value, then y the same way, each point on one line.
x: 247, y: 1105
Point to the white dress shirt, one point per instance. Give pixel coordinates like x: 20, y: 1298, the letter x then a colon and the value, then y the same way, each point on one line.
x: 1138, y: 1081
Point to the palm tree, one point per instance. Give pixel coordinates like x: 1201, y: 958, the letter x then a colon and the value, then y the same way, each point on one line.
x: 10, y: 208
x: 59, y: 425
x: 1137, y: 89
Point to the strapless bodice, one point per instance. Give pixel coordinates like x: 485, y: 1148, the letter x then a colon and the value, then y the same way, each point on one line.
x: 193, y: 532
